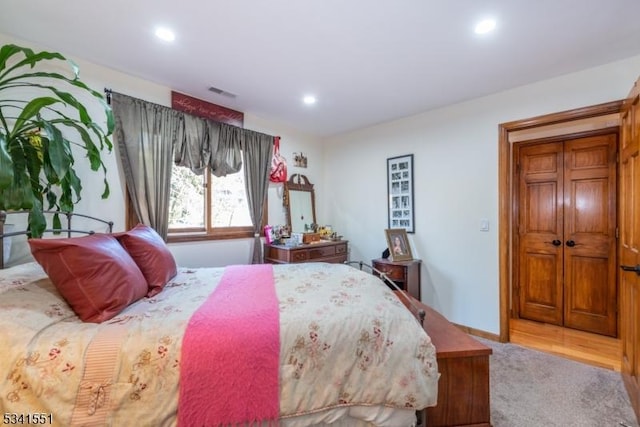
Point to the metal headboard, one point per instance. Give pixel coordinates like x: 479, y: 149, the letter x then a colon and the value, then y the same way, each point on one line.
x: 68, y: 230
x: 418, y: 312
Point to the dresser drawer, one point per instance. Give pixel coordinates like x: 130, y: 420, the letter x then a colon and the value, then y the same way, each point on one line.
x: 321, y: 252
x: 334, y: 252
x: 299, y: 256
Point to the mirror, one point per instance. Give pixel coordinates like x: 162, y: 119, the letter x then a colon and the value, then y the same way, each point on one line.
x: 299, y: 199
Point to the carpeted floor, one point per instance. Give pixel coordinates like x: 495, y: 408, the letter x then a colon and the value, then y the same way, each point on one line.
x: 530, y: 389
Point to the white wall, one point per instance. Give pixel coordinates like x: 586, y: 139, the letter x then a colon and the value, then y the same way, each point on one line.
x: 210, y: 253
x: 456, y: 184
x: 455, y: 159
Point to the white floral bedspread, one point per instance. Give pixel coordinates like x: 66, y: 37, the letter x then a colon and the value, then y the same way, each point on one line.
x: 346, y: 340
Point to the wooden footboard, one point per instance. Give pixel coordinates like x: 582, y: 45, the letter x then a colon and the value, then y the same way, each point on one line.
x: 463, y: 362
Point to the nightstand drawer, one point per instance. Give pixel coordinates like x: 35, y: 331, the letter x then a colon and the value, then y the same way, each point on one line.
x: 405, y: 274
x: 393, y: 272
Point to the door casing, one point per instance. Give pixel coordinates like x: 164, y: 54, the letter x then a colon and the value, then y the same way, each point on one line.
x: 505, y: 191
x: 582, y: 293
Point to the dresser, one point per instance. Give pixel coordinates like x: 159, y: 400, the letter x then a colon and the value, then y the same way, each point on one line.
x: 323, y: 251
x: 405, y: 274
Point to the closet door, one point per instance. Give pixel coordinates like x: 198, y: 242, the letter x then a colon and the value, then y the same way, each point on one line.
x: 590, y: 291
x: 540, y: 232
x: 566, y: 202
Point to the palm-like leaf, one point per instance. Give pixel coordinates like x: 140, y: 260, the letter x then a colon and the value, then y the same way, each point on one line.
x: 37, y: 133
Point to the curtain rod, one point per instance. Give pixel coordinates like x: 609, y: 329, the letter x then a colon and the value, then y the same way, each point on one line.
x: 109, y: 91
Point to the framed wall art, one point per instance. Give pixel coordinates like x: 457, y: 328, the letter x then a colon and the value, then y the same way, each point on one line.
x: 206, y: 110
x: 400, y: 192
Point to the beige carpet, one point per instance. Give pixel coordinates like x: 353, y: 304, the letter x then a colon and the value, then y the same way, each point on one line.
x: 530, y: 389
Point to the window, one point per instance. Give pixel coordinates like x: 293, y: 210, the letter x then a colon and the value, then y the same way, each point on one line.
x: 208, y: 207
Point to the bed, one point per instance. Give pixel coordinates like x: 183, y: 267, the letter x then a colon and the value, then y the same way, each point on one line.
x: 348, y: 352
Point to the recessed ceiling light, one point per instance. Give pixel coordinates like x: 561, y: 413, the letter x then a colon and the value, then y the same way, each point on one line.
x: 485, y: 26
x: 309, y: 99
x: 165, y: 34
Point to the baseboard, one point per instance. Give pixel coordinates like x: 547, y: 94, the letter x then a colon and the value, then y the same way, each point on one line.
x: 478, y: 332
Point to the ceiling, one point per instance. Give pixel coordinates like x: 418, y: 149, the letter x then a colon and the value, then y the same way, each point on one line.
x: 366, y: 61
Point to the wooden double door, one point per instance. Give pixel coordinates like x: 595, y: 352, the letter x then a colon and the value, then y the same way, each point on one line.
x: 565, y: 195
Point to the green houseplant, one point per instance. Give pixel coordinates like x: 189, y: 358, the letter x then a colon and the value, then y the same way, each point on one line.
x: 42, y: 123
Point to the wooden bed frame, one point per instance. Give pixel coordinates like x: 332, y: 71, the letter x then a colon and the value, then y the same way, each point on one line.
x: 68, y: 230
x: 463, y: 363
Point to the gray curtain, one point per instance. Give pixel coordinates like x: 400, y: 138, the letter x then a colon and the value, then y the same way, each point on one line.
x: 258, y: 149
x: 145, y: 134
x: 150, y: 137
x: 194, y: 150
x: 227, y: 156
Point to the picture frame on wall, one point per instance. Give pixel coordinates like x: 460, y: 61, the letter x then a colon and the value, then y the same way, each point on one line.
x: 400, y: 193
x: 398, y: 243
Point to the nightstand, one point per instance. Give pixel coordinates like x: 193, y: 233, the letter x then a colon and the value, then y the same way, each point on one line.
x: 405, y: 274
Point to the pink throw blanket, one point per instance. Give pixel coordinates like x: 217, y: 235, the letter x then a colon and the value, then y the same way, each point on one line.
x: 229, y: 365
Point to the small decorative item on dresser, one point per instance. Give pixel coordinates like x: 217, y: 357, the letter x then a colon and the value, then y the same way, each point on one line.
x: 295, y: 239
x: 325, y: 232
x: 269, y: 235
x: 398, y: 243
x: 310, y: 237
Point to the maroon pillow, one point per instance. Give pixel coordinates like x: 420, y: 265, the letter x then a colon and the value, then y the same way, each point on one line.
x: 94, y: 274
x: 149, y: 251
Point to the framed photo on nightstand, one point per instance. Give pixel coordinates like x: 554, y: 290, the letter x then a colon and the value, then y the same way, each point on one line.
x: 398, y: 242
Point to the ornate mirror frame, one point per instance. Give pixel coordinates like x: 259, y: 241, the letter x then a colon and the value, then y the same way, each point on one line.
x: 300, y: 201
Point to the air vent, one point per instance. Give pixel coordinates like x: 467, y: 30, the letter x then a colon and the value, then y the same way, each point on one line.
x: 222, y: 92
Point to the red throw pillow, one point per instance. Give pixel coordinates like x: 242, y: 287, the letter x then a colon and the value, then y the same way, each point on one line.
x: 94, y: 274
x: 149, y: 251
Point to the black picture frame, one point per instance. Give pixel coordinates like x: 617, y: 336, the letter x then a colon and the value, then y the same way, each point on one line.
x: 400, y: 209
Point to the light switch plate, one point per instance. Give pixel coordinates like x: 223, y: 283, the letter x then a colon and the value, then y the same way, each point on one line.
x: 484, y: 224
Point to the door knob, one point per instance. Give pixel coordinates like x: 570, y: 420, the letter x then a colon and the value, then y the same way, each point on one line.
x: 556, y: 242
x: 571, y: 243
x: 631, y: 268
